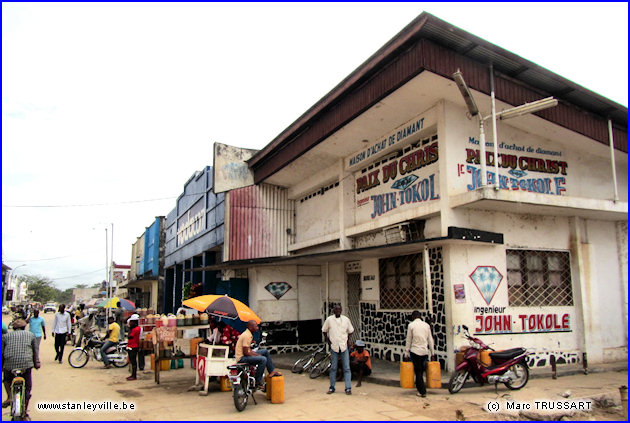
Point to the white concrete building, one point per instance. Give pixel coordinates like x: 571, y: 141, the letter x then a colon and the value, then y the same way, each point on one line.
x: 389, y: 214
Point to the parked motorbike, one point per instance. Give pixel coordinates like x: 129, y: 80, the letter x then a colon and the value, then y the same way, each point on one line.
x: 508, y: 367
x: 243, y: 379
x: 116, y: 354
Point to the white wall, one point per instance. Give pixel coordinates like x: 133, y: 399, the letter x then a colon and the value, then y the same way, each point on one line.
x: 588, y: 167
x: 317, y: 216
x: 610, y: 305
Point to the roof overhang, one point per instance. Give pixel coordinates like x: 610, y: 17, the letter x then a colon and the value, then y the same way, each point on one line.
x: 490, y: 199
x: 430, y: 44
x: 455, y: 236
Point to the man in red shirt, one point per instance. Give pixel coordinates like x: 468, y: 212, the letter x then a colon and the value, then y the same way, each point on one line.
x: 360, y: 361
x: 133, y: 344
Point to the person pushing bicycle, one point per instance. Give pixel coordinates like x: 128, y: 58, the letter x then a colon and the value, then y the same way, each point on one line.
x: 19, y: 351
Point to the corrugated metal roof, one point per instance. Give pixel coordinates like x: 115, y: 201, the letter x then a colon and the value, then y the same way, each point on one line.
x: 447, y: 35
x: 429, y: 43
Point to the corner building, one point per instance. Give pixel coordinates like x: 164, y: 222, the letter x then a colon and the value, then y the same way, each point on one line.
x: 374, y: 199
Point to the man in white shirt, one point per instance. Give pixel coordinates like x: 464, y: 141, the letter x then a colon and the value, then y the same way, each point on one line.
x: 419, y: 345
x: 336, y: 330
x: 61, y: 329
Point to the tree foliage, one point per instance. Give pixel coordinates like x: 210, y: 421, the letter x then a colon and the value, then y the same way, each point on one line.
x: 43, y: 288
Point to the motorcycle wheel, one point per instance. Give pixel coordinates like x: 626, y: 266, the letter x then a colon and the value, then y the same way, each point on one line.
x: 78, y: 358
x: 522, y: 374
x: 456, y: 383
x: 123, y: 361
x: 240, y: 397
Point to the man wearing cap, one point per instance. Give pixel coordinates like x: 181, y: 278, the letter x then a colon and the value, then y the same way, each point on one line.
x: 133, y: 345
x: 19, y: 351
x: 360, y: 361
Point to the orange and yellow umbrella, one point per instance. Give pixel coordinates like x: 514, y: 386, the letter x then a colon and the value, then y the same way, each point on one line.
x: 222, y: 306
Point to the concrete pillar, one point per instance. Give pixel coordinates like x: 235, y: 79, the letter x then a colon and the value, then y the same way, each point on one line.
x: 585, y: 290
x: 346, y: 205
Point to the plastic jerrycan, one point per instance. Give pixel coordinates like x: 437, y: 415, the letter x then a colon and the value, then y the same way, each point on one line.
x: 277, y: 390
x: 406, y: 374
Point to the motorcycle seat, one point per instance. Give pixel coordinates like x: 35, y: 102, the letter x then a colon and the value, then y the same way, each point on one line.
x: 507, y: 354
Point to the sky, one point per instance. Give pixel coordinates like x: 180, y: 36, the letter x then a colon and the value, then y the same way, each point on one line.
x: 109, y: 108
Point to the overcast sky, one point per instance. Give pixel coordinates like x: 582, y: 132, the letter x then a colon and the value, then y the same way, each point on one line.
x: 118, y: 104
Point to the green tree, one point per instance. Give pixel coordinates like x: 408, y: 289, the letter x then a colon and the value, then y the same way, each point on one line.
x: 43, y: 288
x: 65, y: 297
x: 81, y: 286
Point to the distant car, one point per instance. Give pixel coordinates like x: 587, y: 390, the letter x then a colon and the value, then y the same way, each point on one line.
x: 50, y: 307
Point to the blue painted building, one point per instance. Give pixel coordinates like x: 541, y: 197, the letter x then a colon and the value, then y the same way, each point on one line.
x: 194, y: 240
x: 146, y: 280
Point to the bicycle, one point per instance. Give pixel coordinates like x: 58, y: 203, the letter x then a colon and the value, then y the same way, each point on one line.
x: 305, y: 362
x: 322, y: 366
x: 18, y: 396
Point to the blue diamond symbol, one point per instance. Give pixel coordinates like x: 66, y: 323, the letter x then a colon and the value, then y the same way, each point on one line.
x: 278, y: 289
x: 487, y: 279
x: 403, y: 183
x: 517, y: 173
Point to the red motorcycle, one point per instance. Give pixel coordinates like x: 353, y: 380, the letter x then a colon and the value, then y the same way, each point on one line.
x: 508, y: 367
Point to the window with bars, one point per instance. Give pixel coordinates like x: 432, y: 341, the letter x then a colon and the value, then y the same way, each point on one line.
x: 539, y: 278
x: 402, y: 282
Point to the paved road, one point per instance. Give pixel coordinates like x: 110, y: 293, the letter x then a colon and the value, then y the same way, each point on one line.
x: 305, y: 399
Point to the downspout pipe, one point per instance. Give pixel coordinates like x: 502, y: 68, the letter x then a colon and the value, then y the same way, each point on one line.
x: 482, y: 153
x: 494, y: 131
x: 612, y: 160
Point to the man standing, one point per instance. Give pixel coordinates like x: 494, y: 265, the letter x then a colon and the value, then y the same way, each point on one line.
x: 61, y: 329
x: 118, y: 314
x: 336, y: 330
x: 85, y: 327
x: 37, y: 325
x: 112, y: 339
x: 133, y: 345
x: 19, y: 351
x: 419, y: 345
x: 261, y: 358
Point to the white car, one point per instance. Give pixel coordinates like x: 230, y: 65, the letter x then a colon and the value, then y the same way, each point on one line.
x: 50, y: 307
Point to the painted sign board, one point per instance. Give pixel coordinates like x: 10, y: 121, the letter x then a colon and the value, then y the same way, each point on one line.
x: 230, y: 167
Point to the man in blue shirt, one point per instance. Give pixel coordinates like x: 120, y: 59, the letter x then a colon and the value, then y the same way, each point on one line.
x: 37, y: 325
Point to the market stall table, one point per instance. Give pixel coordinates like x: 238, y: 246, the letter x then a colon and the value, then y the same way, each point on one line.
x: 167, y: 334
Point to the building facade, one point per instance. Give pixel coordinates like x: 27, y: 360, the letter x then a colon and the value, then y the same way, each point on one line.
x: 193, y: 241
x: 395, y: 204
x: 146, y: 280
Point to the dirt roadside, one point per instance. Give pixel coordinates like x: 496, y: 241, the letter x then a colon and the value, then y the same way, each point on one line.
x: 305, y: 399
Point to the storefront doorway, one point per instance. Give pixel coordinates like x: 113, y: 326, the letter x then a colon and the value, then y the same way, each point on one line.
x: 353, y: 296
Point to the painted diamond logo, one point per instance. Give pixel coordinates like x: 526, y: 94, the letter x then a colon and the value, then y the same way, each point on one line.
x: 516, y: 172
x: 278, y: 289
x: 487, y: 279
x: 403, y: 183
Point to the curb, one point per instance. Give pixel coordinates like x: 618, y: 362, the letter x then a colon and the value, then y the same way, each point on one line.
x: 535, y: 374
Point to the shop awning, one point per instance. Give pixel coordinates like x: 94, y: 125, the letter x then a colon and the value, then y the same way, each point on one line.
x: 455, y: 236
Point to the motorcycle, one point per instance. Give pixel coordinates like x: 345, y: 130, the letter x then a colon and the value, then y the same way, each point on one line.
x: 508, y: 367
x: 243, y: 379
x: 116, y: 354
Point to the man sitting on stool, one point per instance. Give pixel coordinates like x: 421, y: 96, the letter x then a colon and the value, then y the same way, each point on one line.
x: 261, y: 358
